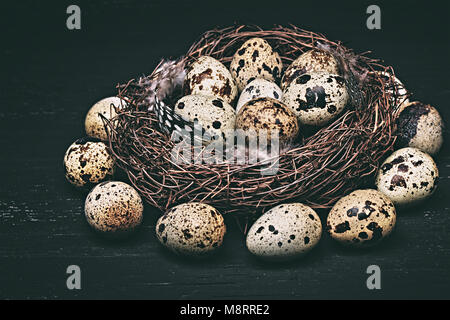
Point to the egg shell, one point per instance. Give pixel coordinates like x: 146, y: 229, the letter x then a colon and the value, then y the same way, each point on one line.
x: 87, y: 161
x: 215, y: 115
x: 208, y: 76
x: 316, y: 98
x: 191, y: 229
x: 420, y: 126
x: 268, y: 114
x: 255, y: 59
x: 362, y: 218
x: 407, y: 176
x: 259, y: 88
x: 284, y: 232
x: 93, y: 123
x: 114, y: 208
x: 309, y: 62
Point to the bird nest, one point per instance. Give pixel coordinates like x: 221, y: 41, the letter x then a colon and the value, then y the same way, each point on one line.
x: 318, y: 170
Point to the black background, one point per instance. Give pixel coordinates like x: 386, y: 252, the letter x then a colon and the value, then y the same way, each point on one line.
x: 50, y: 78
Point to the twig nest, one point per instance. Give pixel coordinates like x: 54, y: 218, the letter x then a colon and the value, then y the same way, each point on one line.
x: 208, y: 76
x: 93, y: 122
x: 87, y: 161
x: 191, y: 229
x: 362, y: 219
x: 216, y: 116
x: 407, y: 176
x: 284, y: 232
x: 316, y: 98
x: 397, y: 90
x: 269, y: 115
x: 255, y: 59
x: 114, y: 208
x: 420, y: 126
x: 259, y: 88
x: 309, y: 62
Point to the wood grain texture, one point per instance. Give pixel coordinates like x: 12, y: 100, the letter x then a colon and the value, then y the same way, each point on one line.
x: 52, y: 78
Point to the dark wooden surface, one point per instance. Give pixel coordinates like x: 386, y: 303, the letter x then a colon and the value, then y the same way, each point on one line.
x: 50, y: 78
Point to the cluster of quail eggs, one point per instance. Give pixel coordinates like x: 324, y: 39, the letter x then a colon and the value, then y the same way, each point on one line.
x: 112, y: 208
x: 256, y: 93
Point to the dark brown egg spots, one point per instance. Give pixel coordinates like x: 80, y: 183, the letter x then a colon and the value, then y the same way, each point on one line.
x: 363, y: 235
x: 386, y: 167
x: 403, y: 168
x: 198, y: 78
x: 292, y: 237
x: 280, y: 244
x: 408, y: 120
x: 398, y: 160
x: 331, y: 109
x: 306, y: 240
x: 217, y: 124
x: 161, y: 227
x: 417, y: 163
x: 271, y: 228
x: 377, y: 231
x: 255, y: 55
x: 267, y: 68
x: 352, y: 212
x: 187, y: 234
x: 180, y: 105
x: 311, y: 216
x: 241, y: 51
x: 397, y: 181
x: 342, y: 227
x: 275, y: 94
x: 315, y: 97
x: 303, y: 79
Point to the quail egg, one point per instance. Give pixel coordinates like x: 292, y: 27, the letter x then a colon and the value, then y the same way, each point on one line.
x: 113, y: 208
x: 87, y: 161
x: 420, y: 126
x: 94, y: 124
x: 208, y: 76
x: 362, y: 218
x: 285, y: 231
x: 255, y: 59
x: 258, y: 88
x: 191, y: 229
x: 314, y: 60
x: 407, y: 176
x: 268, y: 114
x: 216, y: 116
x: 316, y: 98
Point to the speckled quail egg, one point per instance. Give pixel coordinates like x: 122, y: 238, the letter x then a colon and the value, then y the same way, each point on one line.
x: 362, y: 218
x: 314, y: 60
x: 94, y: 124
x: 420, y: 126
x: 216, y: 116
x: 316, y: 98
x: 270, y: 115
x: 407, y: 176
x: 255, y: 59
x: 113, y: 208
x: 208, y: 76
x: 87, y: 161
x: 284, y: 232
x: 191, y: 229
x: 259, y: 88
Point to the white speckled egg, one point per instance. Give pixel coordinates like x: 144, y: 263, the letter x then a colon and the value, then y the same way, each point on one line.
x: 407, y: 176
x: 114, y: 208
x: 362, y: 218
x: 87, y: 161
x: 191, y: 229
x: 209, y: 77
x: 309, y: 62
x: 215, y: 115
x: 316, y: 98
x: 420, y: 126
x: 94, y: 124
x: 255, y: 59
x: 284, y: 232
x: 270, y: 115
x: 259, y: 88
